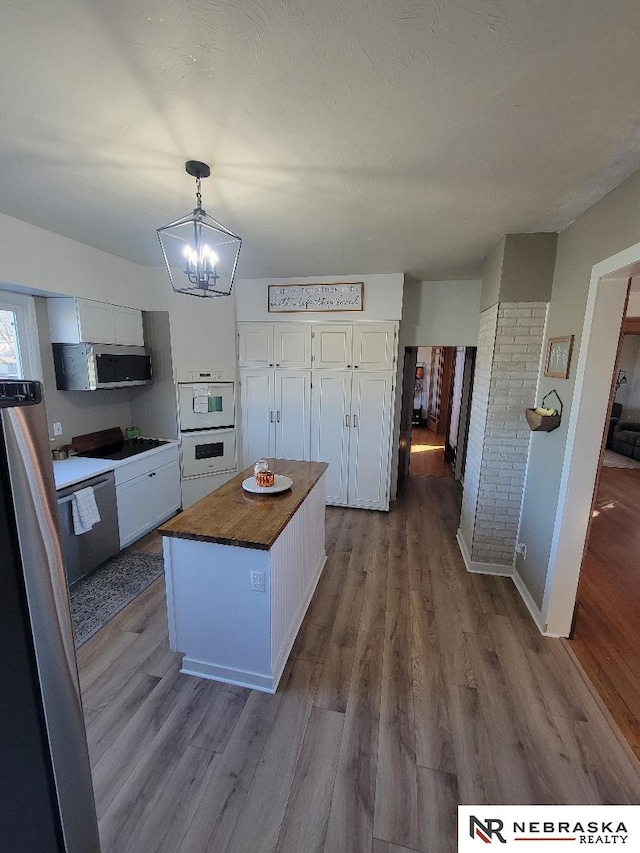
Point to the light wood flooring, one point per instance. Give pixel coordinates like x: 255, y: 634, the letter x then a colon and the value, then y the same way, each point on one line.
x: 606, y: 637
x: 413, y: 686
x: 427, y: 454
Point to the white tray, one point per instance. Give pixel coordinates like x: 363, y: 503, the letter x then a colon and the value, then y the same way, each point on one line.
x: 281, y: 484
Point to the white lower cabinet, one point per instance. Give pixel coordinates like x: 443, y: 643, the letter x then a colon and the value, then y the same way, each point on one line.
x: 147, y: 493
x: 275, y: 414
x: 351, y: 429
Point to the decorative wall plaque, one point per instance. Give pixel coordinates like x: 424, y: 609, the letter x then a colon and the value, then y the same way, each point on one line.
x: 341, y: 296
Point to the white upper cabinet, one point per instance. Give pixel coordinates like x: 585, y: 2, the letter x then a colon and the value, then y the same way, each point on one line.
x: 274, y: 345
x: 128, y: 326
x: 361, y: 346
x: 73, y: 321
x: 292, y: 345
x: 332, y: 346
x: 255, y: 344
x: 374, y: 346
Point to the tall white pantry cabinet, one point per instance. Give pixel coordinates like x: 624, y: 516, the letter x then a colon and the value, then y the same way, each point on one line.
x: 322, y: 392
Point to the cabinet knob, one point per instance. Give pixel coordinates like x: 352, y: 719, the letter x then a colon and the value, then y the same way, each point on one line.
x: 277, y: 365
x: 152, y: 474
x: 356, y: 366
x: 348, y: 365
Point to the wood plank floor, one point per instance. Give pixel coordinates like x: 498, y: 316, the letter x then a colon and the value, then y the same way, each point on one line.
x: 606, y: 637
x: 412, y: 687
x: 427, y: 454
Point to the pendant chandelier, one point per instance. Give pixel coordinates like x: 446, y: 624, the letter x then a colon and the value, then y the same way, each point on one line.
x: 201, y: 255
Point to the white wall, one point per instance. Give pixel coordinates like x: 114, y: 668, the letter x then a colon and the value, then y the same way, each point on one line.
x: 442, y: 313
x: 38, y: 261
x: 382, y: 298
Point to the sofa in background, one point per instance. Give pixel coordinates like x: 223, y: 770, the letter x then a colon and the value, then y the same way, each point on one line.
x: 626, y: 439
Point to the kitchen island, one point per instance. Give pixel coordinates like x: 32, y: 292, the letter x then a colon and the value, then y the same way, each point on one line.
x: 240, y: 571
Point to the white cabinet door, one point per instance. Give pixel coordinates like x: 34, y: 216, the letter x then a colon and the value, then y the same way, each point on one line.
x: 136, y: 514
x: 332, y: 346
x: 255, y: 344
x: 95, y: 322
x: 292, y: 345
x: 258, y: 416
x: 293, y: 411
x: 128, y: 326
x: 374, y: 346
x: 165, y: 494
x: 371, y: 397
x: 330, y: 430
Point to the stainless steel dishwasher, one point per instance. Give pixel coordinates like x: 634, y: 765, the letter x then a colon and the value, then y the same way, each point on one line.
x: 85, y: 552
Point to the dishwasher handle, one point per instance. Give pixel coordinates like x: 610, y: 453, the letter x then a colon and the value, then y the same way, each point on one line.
x: 99, y: 485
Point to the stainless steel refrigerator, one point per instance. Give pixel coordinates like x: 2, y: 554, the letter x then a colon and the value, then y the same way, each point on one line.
x: 46, y: 793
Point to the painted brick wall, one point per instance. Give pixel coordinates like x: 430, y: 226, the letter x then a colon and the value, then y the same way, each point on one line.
x: 497, y: 456
x: 477, y: 422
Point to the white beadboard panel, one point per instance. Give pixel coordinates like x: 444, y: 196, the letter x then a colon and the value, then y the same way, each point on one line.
x: 218, y: 618
x: 297, y: 558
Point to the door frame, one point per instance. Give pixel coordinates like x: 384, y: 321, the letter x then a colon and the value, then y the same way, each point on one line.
x: 596, y: 362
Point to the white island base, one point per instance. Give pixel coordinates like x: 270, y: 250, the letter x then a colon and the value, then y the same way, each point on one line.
x: 228, y: 627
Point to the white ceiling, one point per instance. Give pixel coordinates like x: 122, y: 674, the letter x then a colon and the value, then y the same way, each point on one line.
x: 355, y: 136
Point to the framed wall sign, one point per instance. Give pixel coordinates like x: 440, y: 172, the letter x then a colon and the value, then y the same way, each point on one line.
x: 340, y: 296
x: 559, y: 357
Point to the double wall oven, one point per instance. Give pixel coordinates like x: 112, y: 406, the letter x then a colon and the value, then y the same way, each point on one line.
x: 207, y: 416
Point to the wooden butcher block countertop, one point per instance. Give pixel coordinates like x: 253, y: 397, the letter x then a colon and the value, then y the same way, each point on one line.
x: 231, y: 516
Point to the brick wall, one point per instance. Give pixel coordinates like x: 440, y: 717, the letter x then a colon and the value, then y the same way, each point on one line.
x: 506, y: 379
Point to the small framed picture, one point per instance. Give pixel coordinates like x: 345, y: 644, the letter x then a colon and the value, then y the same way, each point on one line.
x: 559, y: 357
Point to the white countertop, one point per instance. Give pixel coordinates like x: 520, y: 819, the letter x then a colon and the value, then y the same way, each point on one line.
x: 68, y: 472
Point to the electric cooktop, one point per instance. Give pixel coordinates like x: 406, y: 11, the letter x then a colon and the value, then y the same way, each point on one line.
x: 111, y: 444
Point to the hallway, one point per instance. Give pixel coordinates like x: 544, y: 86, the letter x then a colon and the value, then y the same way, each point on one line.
x: 427, y: 454
x: 413, y: 686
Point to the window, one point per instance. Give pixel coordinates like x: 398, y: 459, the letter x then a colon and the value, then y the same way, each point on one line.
x: 19, y: 356
x: 10, y: 361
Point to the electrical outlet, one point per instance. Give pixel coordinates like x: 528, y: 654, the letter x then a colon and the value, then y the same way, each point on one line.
x: 57, y: 428
x: 521, y: 549
x: 257, y: 581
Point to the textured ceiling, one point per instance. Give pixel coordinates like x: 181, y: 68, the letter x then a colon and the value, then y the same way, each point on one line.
x: 354, y: 136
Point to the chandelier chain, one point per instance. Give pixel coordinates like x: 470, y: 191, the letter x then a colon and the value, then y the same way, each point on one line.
x: 198, y: 194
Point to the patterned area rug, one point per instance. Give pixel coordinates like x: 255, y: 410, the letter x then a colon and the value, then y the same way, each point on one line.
x: 96, y: 599
x: 617, y: 460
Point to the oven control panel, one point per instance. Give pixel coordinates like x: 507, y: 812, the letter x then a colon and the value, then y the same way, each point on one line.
x: 205, y: 375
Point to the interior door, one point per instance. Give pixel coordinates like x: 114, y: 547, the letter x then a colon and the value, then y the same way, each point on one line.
x: 406, y: 412
x: 330, y: 430
x: 369, y: 442
x: 258, y: 415
x: 292, y: 414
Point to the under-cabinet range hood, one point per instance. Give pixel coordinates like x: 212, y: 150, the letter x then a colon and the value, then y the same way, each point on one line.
x: 90, y: 367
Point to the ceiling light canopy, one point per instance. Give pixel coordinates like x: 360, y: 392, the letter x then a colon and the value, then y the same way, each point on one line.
x: 201, y: 255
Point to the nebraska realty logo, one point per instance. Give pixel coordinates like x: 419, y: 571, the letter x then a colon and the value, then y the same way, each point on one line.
x: 548, y: 828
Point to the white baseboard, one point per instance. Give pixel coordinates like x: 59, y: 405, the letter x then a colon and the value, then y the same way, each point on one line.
x: 481, y: 568
x: 509, y: 572
x: 239, y: 677
x: 532, y: 607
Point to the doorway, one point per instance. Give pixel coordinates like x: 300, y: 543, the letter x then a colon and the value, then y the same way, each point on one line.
x: 606, y: 627
x: 435, y: 410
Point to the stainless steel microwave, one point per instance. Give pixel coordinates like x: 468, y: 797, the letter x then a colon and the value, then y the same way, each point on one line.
x: 89, y: 367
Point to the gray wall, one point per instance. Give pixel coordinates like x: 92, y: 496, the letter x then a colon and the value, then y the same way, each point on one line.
x: 153, y: 407
x: 527, y: 267
x: 79, y: 412
x: 492, y: 276
x: 605, y: 229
